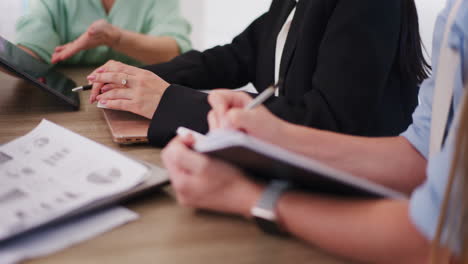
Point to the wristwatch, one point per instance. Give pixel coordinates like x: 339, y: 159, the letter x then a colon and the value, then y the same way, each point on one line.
x: 264, y: 212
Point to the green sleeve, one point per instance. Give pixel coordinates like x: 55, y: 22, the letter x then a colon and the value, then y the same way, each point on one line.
x: 165, y: 20
x: 35, y: 30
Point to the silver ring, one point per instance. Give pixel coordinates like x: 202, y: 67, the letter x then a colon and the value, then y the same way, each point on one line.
x: 124, y: 81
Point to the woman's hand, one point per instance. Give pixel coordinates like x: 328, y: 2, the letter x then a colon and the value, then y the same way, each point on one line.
x: 205, y: 183
x: 98, y: 34
x: 127, y: 88
x: 228, y: 113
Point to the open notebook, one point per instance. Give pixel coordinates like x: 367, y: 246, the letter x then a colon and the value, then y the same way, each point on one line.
x: 267, y: 161
x: 52, y: 173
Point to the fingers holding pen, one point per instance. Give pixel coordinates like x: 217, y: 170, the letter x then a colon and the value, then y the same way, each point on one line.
x: 104, y: 82
x: 96, y: 90
x: 114, y: 94
x: 110, y: 66
x: 108, y: 87
x: 115, y: 78
x: 222, y: 101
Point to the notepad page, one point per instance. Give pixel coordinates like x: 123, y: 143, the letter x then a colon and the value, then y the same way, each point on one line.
x: 52, y: 171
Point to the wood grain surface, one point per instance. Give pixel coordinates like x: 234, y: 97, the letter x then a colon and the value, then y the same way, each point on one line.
x: 166, y: 232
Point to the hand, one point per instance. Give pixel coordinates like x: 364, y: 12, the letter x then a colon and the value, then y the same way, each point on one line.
x: 228, y: 113
x: 127, y: 88
x: 98, y: 34
x: 205, y: 183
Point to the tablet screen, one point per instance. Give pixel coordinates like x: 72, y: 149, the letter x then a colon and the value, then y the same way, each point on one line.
x: 37, y: 72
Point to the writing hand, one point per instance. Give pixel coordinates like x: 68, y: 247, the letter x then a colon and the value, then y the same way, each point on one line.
x: 228, y: 112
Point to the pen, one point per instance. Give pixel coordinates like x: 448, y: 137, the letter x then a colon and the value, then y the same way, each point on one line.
x: 82, y: 88
x: 262, y: 97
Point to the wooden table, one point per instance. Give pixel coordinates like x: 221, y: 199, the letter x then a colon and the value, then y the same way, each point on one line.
x: 166, y: 232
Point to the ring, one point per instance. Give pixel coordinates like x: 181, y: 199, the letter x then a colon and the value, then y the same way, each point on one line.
x: 124, y: 81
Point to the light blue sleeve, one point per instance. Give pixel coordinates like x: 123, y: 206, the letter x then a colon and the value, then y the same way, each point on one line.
x: 426, y: 201
x: 418, y: 133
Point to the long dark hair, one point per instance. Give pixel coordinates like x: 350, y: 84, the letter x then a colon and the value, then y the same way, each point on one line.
x: 413, y: 65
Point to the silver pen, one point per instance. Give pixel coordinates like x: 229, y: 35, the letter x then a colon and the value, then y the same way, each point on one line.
x: 262, y: 97
x: 82, y: 88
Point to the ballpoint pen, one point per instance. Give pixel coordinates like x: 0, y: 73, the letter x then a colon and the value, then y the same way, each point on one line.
x: 262, y: 97
x: 82, y: 88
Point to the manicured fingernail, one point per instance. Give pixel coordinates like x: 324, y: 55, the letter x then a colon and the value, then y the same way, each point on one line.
x: 103, y: 102
x: 91, y: 77
x: 101, y: 70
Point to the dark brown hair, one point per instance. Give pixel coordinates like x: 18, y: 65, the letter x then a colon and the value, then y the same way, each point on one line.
x: 413, y: 65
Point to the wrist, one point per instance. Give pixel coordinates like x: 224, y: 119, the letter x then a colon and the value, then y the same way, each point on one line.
x: 265, y: 212
x: 116, y: 38
x: 251, y: 199
x: 283, y: 202
x: 288, y: 132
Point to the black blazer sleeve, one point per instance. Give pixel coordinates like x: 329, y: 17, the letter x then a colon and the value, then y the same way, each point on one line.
x: 355, y: 56
x: 354, y: 64
x: 228, y: 66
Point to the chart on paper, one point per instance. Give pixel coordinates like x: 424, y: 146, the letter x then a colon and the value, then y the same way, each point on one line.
x: 52, y: 171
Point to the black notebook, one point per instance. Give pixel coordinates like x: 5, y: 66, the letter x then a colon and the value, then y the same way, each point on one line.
x: 267, y: 161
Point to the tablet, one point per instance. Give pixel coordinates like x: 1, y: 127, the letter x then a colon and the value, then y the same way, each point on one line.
x: 38, y: 73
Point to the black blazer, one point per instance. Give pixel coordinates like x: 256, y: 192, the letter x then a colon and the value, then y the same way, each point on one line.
x: 340, y: 70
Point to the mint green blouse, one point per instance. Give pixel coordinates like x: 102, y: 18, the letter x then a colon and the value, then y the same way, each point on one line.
x: 50, y: 23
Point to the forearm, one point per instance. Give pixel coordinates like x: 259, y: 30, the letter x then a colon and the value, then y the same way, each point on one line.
x: 30, y: 52
x: 370, y: 231
x: 393, y: 162
x: 147, y: 49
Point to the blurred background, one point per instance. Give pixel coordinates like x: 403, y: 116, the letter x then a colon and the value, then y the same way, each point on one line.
x: 218, y: 21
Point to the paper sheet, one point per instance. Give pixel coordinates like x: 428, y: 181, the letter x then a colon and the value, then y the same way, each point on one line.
x: 52, y: 171
x: 50, y: 240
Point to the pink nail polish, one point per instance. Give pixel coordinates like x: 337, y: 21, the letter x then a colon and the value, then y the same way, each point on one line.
x: 103, y: 102
x: 91, y: 77
x: 101, y: 70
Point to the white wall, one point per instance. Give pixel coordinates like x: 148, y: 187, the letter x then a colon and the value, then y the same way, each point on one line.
x: 218, y: 21
x: 11, y: 10
x: 428, y: 11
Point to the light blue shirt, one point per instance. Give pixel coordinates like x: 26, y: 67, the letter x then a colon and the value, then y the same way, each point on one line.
x: 427, y: 199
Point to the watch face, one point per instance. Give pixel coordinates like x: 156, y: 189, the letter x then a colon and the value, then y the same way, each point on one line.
x: 262, y: 212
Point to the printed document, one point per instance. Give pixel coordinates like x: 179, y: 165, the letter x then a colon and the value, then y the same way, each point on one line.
x: 51, y: 172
